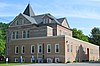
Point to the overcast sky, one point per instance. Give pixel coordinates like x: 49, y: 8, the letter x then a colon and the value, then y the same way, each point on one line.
x: 81, y: 14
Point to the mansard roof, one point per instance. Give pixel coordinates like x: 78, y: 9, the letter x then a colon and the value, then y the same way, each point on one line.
x: 28, y: 11
x: 62, y: 19
x: 38, y: 19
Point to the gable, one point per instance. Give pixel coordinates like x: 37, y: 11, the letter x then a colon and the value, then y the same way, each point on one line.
x: 65, y: 23
x: 21, y: 19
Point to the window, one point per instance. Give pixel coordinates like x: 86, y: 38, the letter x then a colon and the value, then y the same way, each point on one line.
x: 57, y: 60
x: 13, y: 35
x: 17, y: 23
x: 68, y: 48
x: 16, y: 49
x: 71, y: 48
x: 32, y: 59
x: 24, y: 34
x: 46, y: 20
x: 48, y: 48
x: 23, y: 59
x: 32, y: 49
x: 28, y: 34
x: 49, y: 60
x: 16, y: 59
x: 56, y: 48
x: 60, y: 32
x: 20, y: 21
x: 17, y: 35
x: 22, y: 49
x: 39, y: 48
x: 76, y: 48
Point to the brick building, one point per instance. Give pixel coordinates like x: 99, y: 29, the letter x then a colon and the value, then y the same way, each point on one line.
x: 44, y: 37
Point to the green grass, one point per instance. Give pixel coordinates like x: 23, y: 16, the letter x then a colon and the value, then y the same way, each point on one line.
x: 12, y: 64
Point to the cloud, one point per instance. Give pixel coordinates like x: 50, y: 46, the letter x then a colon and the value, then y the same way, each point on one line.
x: 94, y: 0
x: 3, y: 5
x: 79, y: 8
x: 9, y: 9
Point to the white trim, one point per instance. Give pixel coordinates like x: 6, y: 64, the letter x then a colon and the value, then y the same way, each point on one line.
x: 31, y: 49
x: 16, y: 49
x: 47, y: 48
x: 41, y: 48
x: 16, y: 59
x: 22, y: 49
x: 56, y: 60
x: 58, y: 48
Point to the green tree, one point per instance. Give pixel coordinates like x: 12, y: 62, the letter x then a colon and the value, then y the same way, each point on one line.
x: 79, y: 35
x: 3, y: 28
x: 95, y: 36
x: 2, y: 43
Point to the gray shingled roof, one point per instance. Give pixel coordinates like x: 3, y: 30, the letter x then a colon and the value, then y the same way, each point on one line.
x: 39, y: 18
x: 61, y: 20
x: 32, y: 20
x: 28, y: 11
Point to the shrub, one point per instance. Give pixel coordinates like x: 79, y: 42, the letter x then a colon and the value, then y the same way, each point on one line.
x: 68, y: 62
x: 75, y: 61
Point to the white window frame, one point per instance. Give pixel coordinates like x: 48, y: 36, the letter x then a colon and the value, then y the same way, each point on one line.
x: 31, y: 49
x: 41, y: 48
x: 16, y: 49
x: 22, y: 49
x: 56, y: 60
x: 16, y: 59
x: 47, y: 48
x: 23, y: 33
x: 58, y: 48
x: 49, y: 59
x: 14, y: 35
x: 27, y: 33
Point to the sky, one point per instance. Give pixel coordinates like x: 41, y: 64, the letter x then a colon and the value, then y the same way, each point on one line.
x: 80, y: 14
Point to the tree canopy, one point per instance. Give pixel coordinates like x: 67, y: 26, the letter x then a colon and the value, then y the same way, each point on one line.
x: 3, y: 27
x: 79, y: 35
x: 95, y: 36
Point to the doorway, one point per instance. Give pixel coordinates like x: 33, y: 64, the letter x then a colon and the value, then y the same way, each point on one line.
x: 87, y: 54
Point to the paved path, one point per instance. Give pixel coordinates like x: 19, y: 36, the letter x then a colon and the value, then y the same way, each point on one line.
x: 70, y: 64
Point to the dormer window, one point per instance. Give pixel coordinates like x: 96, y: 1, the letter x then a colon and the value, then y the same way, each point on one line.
x: 46, y: 20
x: 19, y: 22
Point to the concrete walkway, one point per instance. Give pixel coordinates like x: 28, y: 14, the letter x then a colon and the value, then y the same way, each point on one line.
x: 60, y: 64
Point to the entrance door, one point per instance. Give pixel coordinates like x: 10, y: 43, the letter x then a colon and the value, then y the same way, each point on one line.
x: 87, y: 54
x: 49, y: 60
x: 40, y: 60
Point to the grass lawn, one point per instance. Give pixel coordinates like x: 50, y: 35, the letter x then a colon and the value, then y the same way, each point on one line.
x: 11, y: 64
